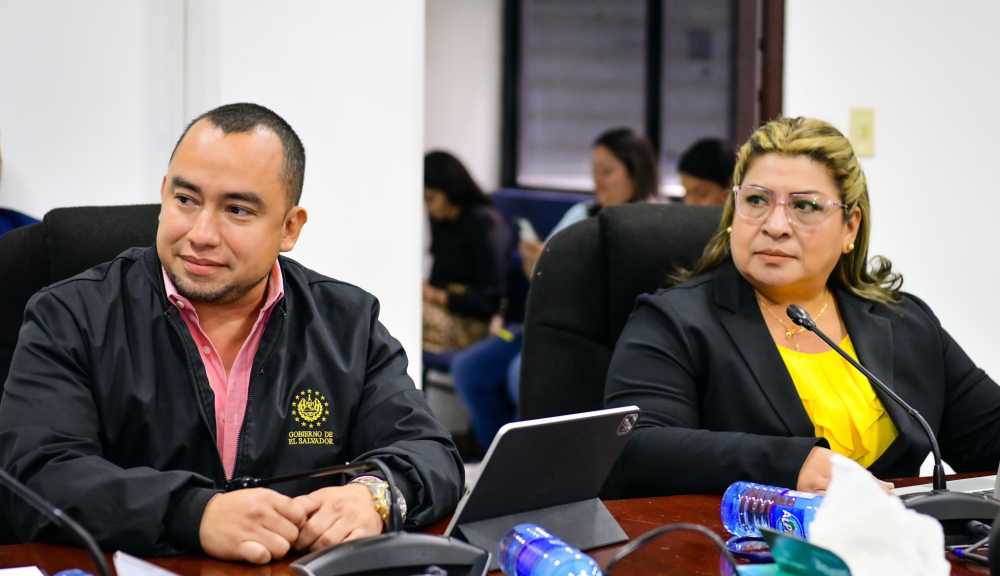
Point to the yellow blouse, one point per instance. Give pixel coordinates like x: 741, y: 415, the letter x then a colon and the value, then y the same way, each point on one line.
x: 841, y: 403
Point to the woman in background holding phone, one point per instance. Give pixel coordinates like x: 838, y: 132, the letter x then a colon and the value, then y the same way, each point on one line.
x: 625, y: 171
x: 487, y: 374
x: 469, y: 243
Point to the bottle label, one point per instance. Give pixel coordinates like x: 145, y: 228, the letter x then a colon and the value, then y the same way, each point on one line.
x: 801, y: 495
x: 788, y: 520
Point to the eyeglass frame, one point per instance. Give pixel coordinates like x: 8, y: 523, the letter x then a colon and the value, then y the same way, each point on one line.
x: 783, y: 199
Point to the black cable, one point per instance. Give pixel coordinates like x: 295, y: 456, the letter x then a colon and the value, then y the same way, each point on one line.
x: 645, y: 538
x: 395, y: 523
x: 395, y: 514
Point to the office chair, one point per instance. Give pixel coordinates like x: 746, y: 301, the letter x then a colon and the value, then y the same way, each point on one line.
x: 66, y: 242
x: 584, y: 288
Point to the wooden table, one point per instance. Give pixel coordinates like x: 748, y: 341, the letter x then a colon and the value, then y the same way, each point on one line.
x: 681, y: 553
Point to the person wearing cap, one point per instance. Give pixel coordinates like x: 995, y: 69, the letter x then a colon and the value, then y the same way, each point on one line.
x: 706, y: 170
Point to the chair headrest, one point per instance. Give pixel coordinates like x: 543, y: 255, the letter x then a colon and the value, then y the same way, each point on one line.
x: 83, y: 237
x: 66, y: 242
x: 644, y: 244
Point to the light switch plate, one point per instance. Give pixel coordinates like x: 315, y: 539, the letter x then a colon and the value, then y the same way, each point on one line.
x: 863, y: 131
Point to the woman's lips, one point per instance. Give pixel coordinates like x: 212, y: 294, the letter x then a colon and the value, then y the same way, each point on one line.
x: 774, y: 256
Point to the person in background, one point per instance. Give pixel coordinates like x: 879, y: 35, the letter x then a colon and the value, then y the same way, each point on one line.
x: 625, y: 170
x: 487, y: 375
x: 730, y: 389
x: 11, y: 219
x: 706, y: 170
x: 470, y: 245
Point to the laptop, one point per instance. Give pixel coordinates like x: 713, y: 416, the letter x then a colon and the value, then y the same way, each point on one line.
x: 546, y: 462
x: 987, y: 486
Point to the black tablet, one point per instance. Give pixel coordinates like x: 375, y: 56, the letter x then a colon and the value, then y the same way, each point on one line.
x: 546, y: 462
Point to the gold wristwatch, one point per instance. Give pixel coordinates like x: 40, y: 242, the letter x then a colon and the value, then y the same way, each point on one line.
x: 379, y: 488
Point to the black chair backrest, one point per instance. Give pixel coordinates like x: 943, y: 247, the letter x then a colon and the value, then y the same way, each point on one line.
x: 584, y: 289
x: 66, y: 242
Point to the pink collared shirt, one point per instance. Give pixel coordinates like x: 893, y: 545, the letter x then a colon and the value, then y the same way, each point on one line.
x: 230, y: 391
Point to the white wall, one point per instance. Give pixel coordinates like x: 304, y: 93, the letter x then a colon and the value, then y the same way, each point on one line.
x: 462, y: 109
x: 348, y: 76
x: 91, y: 98
x: 927, y: 69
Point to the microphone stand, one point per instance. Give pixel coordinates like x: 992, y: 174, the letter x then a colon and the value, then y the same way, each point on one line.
x: 395, y: 520
x: 952, y: 509
x: 59, y: 518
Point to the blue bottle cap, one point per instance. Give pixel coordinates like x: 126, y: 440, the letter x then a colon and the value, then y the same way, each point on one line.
x: 73, y: 572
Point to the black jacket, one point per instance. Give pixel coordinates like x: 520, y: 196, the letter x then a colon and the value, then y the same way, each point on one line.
x: 108, y: 412
x: 718, y: 404
x: 473, y: 251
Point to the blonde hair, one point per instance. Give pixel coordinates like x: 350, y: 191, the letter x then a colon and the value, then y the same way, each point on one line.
x: 823, y: 144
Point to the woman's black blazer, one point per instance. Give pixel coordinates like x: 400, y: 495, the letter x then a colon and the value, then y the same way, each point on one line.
x: 718, y: 404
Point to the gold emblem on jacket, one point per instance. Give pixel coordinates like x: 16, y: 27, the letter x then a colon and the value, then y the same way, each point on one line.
x: 310, y: 409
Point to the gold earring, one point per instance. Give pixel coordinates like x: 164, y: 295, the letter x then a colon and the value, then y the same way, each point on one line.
x: 730, y: 231
x: 850, y: 247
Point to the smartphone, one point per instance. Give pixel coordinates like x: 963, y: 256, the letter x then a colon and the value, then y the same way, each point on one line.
x: 525, y: 231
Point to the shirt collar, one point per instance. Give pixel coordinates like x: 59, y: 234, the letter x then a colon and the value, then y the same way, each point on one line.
x: 275, y: 290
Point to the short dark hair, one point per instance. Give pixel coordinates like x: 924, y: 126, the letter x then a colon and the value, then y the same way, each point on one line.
x: 636, y: 153
x: 445, y: 172
x: 710, y: 159
x: 244, y: 117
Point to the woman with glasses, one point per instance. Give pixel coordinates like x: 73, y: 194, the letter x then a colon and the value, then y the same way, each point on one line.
x: 730, y: 389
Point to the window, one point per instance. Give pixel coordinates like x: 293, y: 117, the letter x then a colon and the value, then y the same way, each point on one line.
x: 582, y: 72
x: 697, y: 92
x: 675, y: 70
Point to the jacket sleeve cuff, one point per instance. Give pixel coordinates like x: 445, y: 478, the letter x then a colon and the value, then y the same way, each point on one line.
x: 788, y: 476
x: 184, y: 521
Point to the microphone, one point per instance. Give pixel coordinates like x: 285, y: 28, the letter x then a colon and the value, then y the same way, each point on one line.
x: 953, y: 510
x: 802, y: 318
x: 58, y: 517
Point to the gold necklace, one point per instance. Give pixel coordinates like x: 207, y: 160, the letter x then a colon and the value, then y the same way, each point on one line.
x: 792, y: 332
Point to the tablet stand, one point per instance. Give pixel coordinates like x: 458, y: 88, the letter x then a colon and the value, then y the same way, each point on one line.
x: 584, y: 525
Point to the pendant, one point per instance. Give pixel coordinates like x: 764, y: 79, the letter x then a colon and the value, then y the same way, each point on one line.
x: 789, y: 334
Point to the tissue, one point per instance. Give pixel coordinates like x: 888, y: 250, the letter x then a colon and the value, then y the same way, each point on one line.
x: 872, y: 531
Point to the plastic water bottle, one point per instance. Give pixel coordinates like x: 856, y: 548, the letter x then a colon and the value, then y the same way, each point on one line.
x: 746, y: 506
x: 529, y: 550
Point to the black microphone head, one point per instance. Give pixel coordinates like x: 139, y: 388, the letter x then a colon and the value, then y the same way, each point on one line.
x: 800, y: 316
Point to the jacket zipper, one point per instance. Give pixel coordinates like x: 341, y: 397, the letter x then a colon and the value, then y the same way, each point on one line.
x: 246, y: 410
x: 197, y: 395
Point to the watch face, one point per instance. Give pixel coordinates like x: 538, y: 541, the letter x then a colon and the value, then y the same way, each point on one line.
x: 401, y: 502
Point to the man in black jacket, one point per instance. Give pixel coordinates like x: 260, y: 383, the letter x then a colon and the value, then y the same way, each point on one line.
x: 140, y: 387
